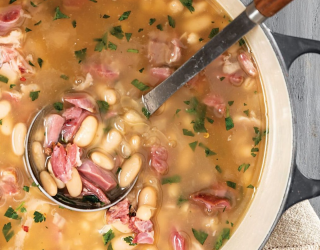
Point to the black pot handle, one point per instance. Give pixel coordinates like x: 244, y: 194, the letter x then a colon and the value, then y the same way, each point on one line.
x: 301, y: 188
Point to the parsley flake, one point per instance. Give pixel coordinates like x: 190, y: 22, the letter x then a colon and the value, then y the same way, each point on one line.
x: 38, y: 217
x: 242, y: 42
x: 12, y: 85
x: 210, y: 120
x: 207, y: 151
x: 181, y: 200
x: 108, y: 236
x: 200, y: 235
x: 27, y: 29
x: 124, y: 16
x: 152, y: 21
x: 58, y: 106
x: 222, y: 78
x: 246, y: 112
x: 74, y: 23
x: 26, y: 189
x: 146, y: 112
x: 172, y: 22
x: 171, y: 179
x: 4, y: 79
x: 188, y: 5
x: 10, y: 213
x: 243, y: 166
x: 159, y: 27
x: 230, y: 103
x: 193, y: 145
x: 81, y: 54
x: 1, y: 122
x: 40, y: 62
x: 117, y: 32
x: 129, y: 240
x: 231, y: 184
x: 225, y: 235
x: 128, y: 36
x: 6, y: 231
x: 141, y: 70
x: 12, y: 1
x: 133, y: 50
x: 59, y: 15
x: 112, y: 46
x: 34, y: 95
x: 218, y: 168
x: 105, y: 16
x: 36, y: 24
x: 103, y: 106
x: 213, y: 32
x: 187, y: 132
x: 229, y: 123
x: 250, y: 186
x: 64, y: 77
x: 139, y: 85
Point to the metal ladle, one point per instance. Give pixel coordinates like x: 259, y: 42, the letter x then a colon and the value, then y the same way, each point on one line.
x: 75, y: 204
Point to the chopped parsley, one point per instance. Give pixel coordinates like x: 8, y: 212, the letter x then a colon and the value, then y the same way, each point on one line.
x: 64, y: 77
x: 36, y: 24
x: 218, y: 168
x: 6, y: 231
x: 242, y: 42
x: 200, y: 235
x: 108, y: 236
x: 187, y: 132
x: 139, y: 30
x: 159, y: 27
x: 74, y: 23
x: 27, y: 29
x: 258, y: 136
x: 141, y: 70
x: 1, y: 122
x: 243, y: 166
x: 31, y: 64
x: 172, y: 22
x: 11, y: 213
x: 199, y: 110
x: 59, y: 15
x: 128, y: 36
x: 146, y: 112
x: 81, y: 54
x: 112, y: 46
x: 38, y: 217
x: 103, y: 106
x: 193, y: 145
x: 12, y: 1
x: 58, y: 106
x: 231, y: 184
x: 188, y: 5
x: 246, y: 112
x: 21, y: 208
x: 139, y: 85
x: 171, y: 179
x: 40, y: 62
x: 177, y: 111
x: 181, y: 200
x: 200, y: 39
x: 222, y: 78
x: 225, y: 235
x: 95, y: 1
x: 12, y: 85
x: 124, y: 16
x: 129, y: 240
x: 152, y: 21
x: 110, y: 247
x: 4, y: 79
x: 210, y: 120
x: 117, y: 32
x: 26, y: 188
x: 33, y: 4
x: 229, y: 123
x: 133, y: 50
x: 34, y: 95
x: 250, y: 186
x: 230, y: 103
x: 207, y: 151
x: 213, y: 32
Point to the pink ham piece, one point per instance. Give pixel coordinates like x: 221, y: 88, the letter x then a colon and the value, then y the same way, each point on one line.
x: 53, y: 126
x: 143, y: 229
x: 70, y: 127
x: 72, y: 113
x: 102, y: 178
x: 159, y: 156
x: 10, y: 17
x: 215, y: 101
x: 73, y: 155
x: 58, y: 160
x: 119, y: 212
x: 9, y: 182
x: 246, y: 63
x: 178, y: 242
x: 161, y: 73
x: 81, y: 100
x: 102, y: 70
x: 89, y: 188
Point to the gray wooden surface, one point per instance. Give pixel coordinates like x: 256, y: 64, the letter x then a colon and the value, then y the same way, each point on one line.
x: 302, y: 18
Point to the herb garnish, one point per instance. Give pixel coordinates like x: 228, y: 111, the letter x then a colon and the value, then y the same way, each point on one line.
x: 146, y: 112
x: 64, y: 77
x: 26, y: 188
x: 6, y: 231
x: 139, y: 30
x: 159, y: 27
x: 200, y: 235
x: 231, y: 184
x: 199, y: 110
x: 12, y: 85
x: 230, y: 103
x: 141, y: 70
x: 11, y: 213
x: 74, y: 23
x: 218, y: 169
x: 40, y: 62
x: 243, y: 166
x: 129, y: 240
x: 95, y: 1
x: 1, y: 122
x: 81, y: 54
x: 139, y: 85
x: 124, y: 16
x: 12, y: 1
x: 187, y: 132
x: 152, y: 21
x: 193, y: 145
x: 58, y: 106
x: 213, y: 32
x: 210, y: 120
x: 172, y: 22
x: 103, y: 106
x: 241, y: 42
x: 36, y: 24
x: 229, y: 121
x: 181, y: 200
x: 110, y: 247
x: 117, y: 32
x: 59, y: 15
x: 38, y: 217
x: 246, y: 112
x: 225, y: 235
x: 171, y: 179
x: 34, y: 95
x: 27, y: 29
x: 33, y: 4
x: 177, y: 111
x: 200, y: 39
x: 250, y: 186
x: 108, y: 236
x: 187, y: 4
x: 128, y: 36
x: 207, y: 151
x: 133, y: 50
x: 112, y: 46
x: 4, y: 79
x: 105, y: 16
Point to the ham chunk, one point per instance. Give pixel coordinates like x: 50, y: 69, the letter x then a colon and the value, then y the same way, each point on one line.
x: 58, y: 160
x: 178, y: 242
x: 119, y: 212
x: 73, y: 155
x: 72, y: 113
x: 10, y: 17
x: 162, y: 50
x: 143, y: 229
x: 246, y: 63
x: 82, y: 100
x: 89, y: 188
x: 53, y: 126
x: 159, y: 156
x: 102, y: 178
x: 9, y: 181
x: 70, y: 127
x: 161, y: 73
x: 102, y: 70
x: 215, y: 101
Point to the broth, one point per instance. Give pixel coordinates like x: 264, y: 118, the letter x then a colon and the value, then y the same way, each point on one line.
x: 202, y: 152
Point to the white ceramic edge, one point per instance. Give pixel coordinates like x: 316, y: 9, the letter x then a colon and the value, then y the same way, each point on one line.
x: 268, y: 199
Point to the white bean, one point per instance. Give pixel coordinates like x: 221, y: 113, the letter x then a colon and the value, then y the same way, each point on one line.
x: 193, y: 38
x: 145, y: 212
x: 123, y: 228
x: 119, y: 243
x: 129, y: 170
x: 132, y: 117
x: 74, y: 186
x: 6, y: 127
x: 38, y: 155
x: 59, y: 183
x: 110, y: 96
x: 86, y: 132
x: 5, y: 108
x: 48, y: 183
x: 175, y: 6
x: 125, y: 149
x: 103, y: 160
x: 198, y: 23
x: 135, y: 142
x: 148, y: 196
x: 112, y: 140
x: 18, y: 137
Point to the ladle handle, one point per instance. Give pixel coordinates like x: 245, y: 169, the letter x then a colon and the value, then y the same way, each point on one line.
x: 270, y: 7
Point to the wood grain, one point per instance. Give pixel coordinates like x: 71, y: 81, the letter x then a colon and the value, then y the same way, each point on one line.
x: 270, y: 7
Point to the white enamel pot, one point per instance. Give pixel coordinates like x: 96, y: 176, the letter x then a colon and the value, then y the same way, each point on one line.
x: 282, y: 184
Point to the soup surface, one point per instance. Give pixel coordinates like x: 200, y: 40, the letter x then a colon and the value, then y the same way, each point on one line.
x: 198, y: 158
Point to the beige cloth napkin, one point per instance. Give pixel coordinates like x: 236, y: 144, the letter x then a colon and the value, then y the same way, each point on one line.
x: 298, y: 229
